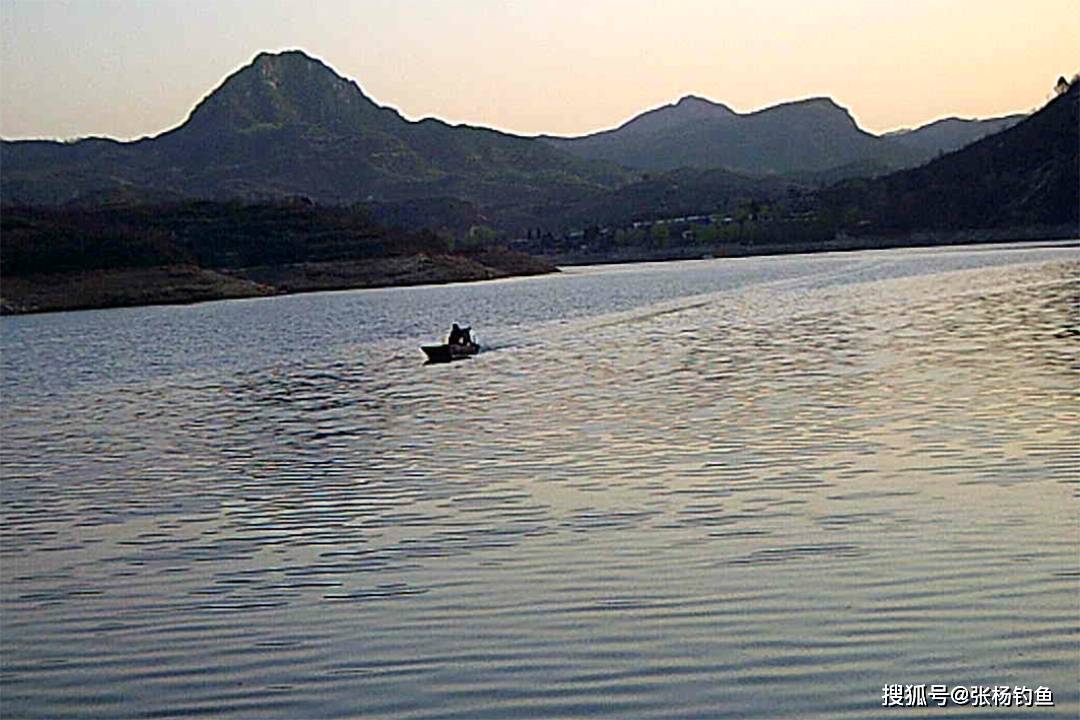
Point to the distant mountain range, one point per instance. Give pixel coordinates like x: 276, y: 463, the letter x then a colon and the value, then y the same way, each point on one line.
x: 288, y: 125
x: 1027, y: 175
x: 950, y: 134
x: 806, y: 136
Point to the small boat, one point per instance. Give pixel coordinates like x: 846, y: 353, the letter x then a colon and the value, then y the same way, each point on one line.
x: 447, y: 353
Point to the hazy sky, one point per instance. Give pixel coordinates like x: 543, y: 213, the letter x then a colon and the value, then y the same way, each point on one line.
x: 126, y: 68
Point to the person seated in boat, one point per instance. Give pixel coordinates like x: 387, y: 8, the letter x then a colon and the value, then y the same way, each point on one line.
x: 459, y: 336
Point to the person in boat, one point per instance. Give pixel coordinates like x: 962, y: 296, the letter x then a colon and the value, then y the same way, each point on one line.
x: 459, y: 336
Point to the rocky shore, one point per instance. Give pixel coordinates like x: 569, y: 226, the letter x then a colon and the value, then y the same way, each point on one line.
x: 179, y: 284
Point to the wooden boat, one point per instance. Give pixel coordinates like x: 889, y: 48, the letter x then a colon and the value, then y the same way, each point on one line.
x: 447, y: 353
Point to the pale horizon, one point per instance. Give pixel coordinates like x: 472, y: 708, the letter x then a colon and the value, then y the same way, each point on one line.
x: 128, y: 70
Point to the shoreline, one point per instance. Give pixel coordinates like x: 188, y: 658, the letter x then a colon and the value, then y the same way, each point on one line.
x: 849, y: 243
x: 189, y: 284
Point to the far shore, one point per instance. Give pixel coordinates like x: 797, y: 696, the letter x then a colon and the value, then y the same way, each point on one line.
x: 841, y: 243
x: 186, y: 284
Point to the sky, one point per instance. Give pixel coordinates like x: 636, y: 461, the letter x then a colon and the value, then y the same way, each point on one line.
x: 131, y: 68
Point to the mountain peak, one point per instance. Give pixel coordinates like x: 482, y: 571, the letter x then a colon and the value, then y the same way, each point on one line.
x: 278, y: 89
x: 697, y: 100
x: 823, y: 111
x: 823, y: 100
x: 703, y: 106
x: 689, y: 110
x: 821, y: 103
x: 294, y: 54
x: 285, y: 61
x: 698, y: 107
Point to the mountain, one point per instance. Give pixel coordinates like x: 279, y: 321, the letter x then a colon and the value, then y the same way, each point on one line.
x: 288, y: 88
x: 1019, y: 183
x: 1025, y: 175
x: 287, y: 125
x: 687, y: 111
x: 805, y: 138
x: 950, y: 134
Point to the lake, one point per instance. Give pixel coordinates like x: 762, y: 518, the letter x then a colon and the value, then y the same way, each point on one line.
x: 780, y: 487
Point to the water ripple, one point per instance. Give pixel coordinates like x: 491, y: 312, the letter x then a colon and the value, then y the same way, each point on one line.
x: 753, y: 488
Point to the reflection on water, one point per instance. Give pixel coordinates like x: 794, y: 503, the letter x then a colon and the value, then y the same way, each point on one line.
x: 757, y: 488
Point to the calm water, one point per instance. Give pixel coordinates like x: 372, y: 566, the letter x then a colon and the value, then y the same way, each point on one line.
x: 730, y: 488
